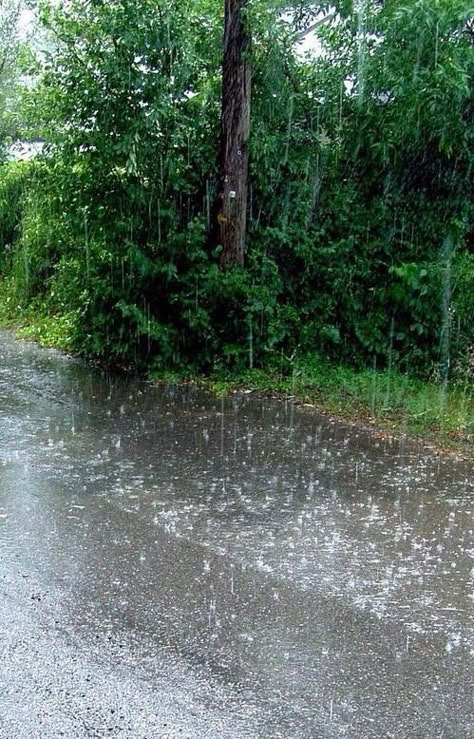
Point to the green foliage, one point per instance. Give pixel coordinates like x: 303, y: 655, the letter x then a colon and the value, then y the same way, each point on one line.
x: 12, y: 55
x: 361, y: 161
x: 12, y: 185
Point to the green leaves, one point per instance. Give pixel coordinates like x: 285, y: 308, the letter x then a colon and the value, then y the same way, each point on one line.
x: 10, y: 57
x: 361, y: 162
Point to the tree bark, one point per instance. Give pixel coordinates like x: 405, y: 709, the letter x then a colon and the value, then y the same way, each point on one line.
x: 230, y: 207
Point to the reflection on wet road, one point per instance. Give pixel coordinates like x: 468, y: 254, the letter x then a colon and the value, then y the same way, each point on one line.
x: 176, y: 565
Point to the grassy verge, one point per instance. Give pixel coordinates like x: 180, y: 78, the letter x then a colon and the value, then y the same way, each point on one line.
x: 34, y: 323
x: 385, y: 400
x: 388, y: 401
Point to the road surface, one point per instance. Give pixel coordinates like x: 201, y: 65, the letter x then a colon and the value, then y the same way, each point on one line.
x: 172, y: 565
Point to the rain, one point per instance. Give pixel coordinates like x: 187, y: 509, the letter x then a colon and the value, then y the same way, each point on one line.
x: 236, y: 369
x: 240, y: 568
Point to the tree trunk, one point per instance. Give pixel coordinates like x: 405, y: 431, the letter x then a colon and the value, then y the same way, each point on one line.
x: 230, y: 207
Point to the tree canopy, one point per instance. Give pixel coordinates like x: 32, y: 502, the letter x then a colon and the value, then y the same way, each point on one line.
x: 358, y: 209
x: 9, y: 58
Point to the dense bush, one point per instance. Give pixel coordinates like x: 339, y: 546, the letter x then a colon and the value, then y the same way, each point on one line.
x: 360, y: 169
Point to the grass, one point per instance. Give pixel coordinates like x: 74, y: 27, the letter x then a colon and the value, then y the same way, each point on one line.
x: 34, y: 323
x: 386, y: 400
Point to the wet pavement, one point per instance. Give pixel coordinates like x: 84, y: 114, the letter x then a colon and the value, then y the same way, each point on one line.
x: 172, y: 565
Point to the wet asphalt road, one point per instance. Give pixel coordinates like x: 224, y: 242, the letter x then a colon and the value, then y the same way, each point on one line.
x: 172, y: 565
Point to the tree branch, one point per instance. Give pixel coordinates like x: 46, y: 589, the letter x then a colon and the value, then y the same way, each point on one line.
x: 321, y: 22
